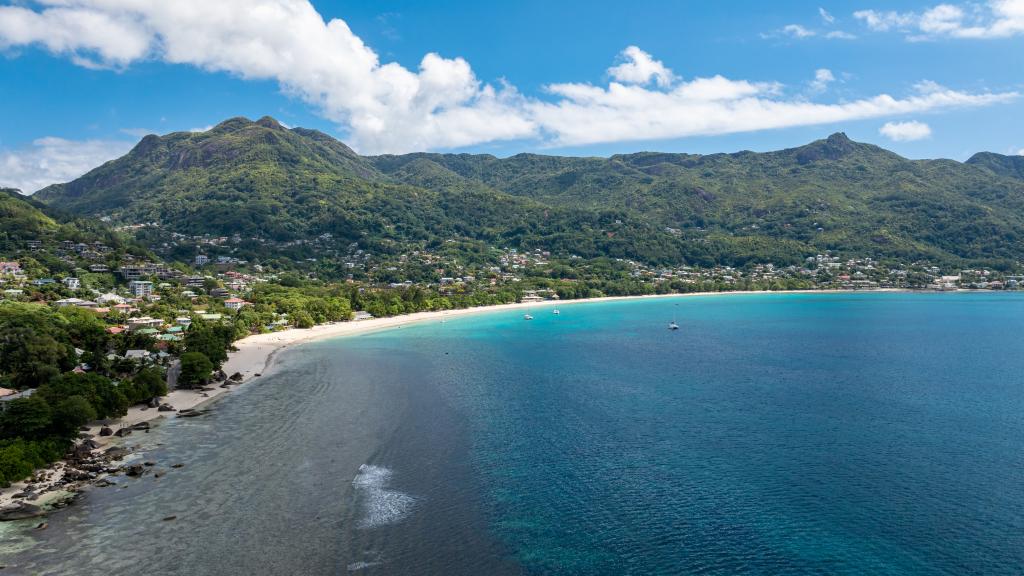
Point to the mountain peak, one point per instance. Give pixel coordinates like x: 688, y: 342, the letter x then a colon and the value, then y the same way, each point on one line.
x: 232, y: 125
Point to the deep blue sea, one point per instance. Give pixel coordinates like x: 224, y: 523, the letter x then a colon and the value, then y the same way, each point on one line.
x: 772, y: 434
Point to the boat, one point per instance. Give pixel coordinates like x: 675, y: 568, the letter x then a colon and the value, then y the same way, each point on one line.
x: 555, y: 311
x: 527, y: 317
x: 673, y: 326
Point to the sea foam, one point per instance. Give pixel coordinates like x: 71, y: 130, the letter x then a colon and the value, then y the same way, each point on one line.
x: 382, y: 506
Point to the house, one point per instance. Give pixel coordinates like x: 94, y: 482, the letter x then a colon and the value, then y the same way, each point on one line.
x: 140, y: 288
x: 10, y: 268
x: 115, y: 329
x: 144, y: 322
x: 43, y: 282
x: 110, y: 298
x: 219, y: 293
x: 361, y: 315
x: 138, y: 355
x: 72, y: 283
x: 98, y: 268
x: 124, y: 308
x: 68, y: 302
x: 202, y: 259
x: 183, y: 321
x: 234, y: 303
x: 7, y: 395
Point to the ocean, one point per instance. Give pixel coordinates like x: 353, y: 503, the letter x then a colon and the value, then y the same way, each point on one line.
x: 857, y: 433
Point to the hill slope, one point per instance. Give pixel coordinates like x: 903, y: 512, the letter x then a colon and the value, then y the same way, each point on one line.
x: 260, y: 179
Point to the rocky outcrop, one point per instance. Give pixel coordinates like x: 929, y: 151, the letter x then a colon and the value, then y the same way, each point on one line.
x: 20, y: 511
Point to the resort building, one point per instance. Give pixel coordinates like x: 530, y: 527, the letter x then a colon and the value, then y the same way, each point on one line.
x: 140, y: 288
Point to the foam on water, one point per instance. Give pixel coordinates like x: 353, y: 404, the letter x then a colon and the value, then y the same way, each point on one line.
x: 382, y: 506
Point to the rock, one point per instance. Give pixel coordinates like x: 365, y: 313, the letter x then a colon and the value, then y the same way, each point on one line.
x: 257, y: 374
x: 237, y: 377
x: 190, y: 413
x: 84, y: 435
x: 149, y: 463
x: 144, y: 408
x: 141, y: 426
x: 169, y: 518
x: 106, y: 431
x: 165, y: 408
x: 83, y: 429
x: 92, y: 444
x: 134, y: 470
x: 42, y: 526
x: 154, y: 402
x: 178, y: 465
x: 115, y: 452
x: 20, y: 511
x: 225, y: 385
x: 122, y: 432
x: 104, y: 483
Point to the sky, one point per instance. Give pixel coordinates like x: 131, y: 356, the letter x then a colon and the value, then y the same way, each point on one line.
x: 81, y: 81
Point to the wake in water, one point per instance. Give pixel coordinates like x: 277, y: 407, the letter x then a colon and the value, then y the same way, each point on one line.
x: 383, y: 506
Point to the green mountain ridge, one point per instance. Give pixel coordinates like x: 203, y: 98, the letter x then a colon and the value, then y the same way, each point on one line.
x: 262, y: 179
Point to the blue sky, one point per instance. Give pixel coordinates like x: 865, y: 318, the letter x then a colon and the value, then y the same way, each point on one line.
x: 84, y: 79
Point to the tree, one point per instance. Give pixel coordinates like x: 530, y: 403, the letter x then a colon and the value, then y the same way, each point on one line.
x: 26, y: 417
x: 71, y: 413
x: 148, y: 383
x: 196, y: 369
x: 211, y: 341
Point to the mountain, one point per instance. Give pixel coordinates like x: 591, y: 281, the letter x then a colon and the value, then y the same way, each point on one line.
x: 23, y: 218
x: 262, y: 179
x: 1011, y: 166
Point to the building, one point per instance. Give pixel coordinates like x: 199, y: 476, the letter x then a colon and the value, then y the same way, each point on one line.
x: 140, y: 288
x: 234, y: 303
x: 142, y: 271
x: 10, y: 268
x: 72, y: 283
x: 7, y: 395
x: 144, y: 322
x: 202, y: 259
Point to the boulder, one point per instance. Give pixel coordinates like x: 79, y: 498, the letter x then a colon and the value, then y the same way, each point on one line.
x: 106, y: 431
x: 154, y: 402
x: 20, y: 511
x: 141, y: 426
x: 134, y: 470
x: 237, y: 377
x: 165, y: 408
x: 122, y: 432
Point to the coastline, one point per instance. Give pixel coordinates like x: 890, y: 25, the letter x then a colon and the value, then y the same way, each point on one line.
x: 254, y: 355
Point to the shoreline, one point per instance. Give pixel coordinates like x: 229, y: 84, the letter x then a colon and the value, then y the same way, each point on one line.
x: 255, y: 354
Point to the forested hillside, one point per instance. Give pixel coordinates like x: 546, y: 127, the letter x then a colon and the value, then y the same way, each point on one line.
x: 261, y: 180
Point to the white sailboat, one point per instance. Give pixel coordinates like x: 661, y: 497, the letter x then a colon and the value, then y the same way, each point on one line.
x: 672, y: 325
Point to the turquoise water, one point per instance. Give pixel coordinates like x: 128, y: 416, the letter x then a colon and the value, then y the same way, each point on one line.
x: 772, y: 434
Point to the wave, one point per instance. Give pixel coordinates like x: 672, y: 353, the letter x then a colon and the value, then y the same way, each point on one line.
x: 382, y: 506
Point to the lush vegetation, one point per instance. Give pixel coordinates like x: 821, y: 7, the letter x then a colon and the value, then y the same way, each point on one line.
x: 260, y: 180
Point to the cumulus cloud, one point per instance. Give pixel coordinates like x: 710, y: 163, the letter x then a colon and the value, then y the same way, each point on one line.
x: 51, y: 160
x: 798, y: 31
x: 822, y: 78
x: 386, y: 107
x: 905, y: 131
x: 639, y: 68
x: 995, y: 19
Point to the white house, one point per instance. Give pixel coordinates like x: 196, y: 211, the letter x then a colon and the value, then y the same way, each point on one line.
x: 234, y: 303
x: 72, y: 283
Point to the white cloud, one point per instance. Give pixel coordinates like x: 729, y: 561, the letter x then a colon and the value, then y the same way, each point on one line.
x: 996, y: 19
x: 589, y: 114
x: 51, y: 160
x: 798, y: 31
x: 840, y: 35
x: 640, y: 68
x: 1020, y: 152
x: 386, y: 107
x: 905, y: 131
x: 828, y: 18
x: 822, y: 78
